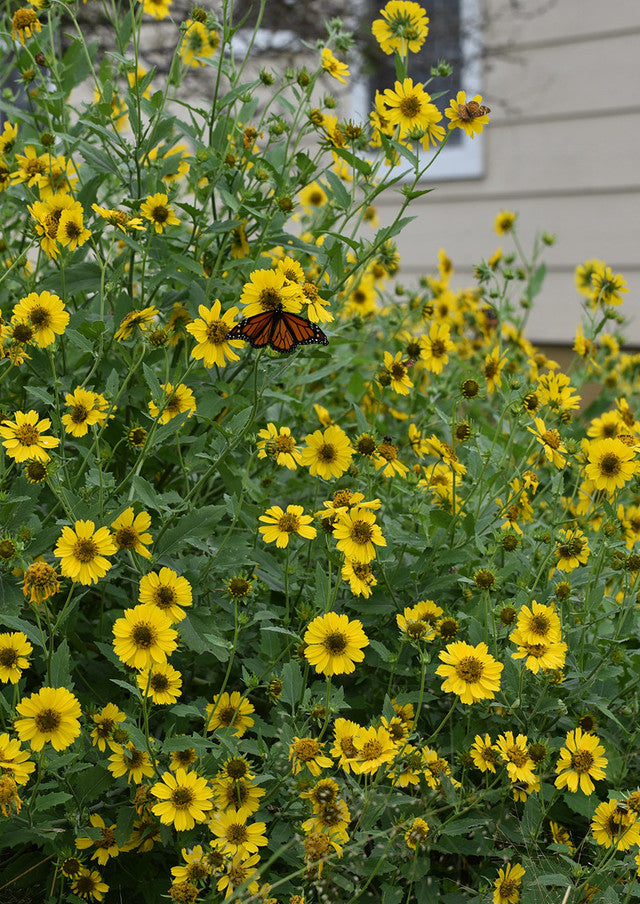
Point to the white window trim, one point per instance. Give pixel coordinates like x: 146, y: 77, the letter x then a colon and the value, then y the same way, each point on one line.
x: 467, y: 160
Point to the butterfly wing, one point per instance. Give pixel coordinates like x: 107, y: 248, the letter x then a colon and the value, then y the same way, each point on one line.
x: 256, y: 330
x: 281, y: 330
x: 291, y: 330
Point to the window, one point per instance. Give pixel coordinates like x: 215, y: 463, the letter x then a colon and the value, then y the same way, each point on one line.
x: 454, y: 35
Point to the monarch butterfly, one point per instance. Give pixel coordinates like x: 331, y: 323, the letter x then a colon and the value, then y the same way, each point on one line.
x: 281, y: 330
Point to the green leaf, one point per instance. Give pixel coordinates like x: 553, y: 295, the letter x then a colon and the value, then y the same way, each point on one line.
x: 292, y: 684
x: 60, y: 662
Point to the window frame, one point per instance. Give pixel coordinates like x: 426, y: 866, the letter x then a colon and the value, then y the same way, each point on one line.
x: 467, y: 159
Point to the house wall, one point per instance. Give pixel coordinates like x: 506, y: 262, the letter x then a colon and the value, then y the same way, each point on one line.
x: 561, y: 149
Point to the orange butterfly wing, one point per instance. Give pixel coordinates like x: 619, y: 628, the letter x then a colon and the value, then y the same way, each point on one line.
x: 281, y: 330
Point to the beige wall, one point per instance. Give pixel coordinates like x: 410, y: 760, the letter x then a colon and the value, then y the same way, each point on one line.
x: 562, y: 149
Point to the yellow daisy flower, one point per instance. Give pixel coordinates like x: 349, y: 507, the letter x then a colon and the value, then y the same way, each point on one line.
x: 143, y: 636
x: 358, y: 534
x: 614, y: 824
x: 280, y: 525
x: 156, y: 207
x: 184, y: 799
x: 234, y: 836
x: 128, y: 760
x: 334, y: 644
x: 82, y: 551
x: 470, y: 672
x: 309, y: 753
x: 51, y: 714
x: 161, y: 682
x: 15, y: 650
x: 327, y: 453
x: 507, y: 885
x: 167, y: 591
x: 130, y: 532
x: 179, y: 399
x: 403, y: 27
x: 334, y: 67
x: 46, y: 315
x: 278, y: 443
x: 25, y: 439
x: 210, y: 332
x: 581, y: 760
x: 610, y: 464
x: 88, y: 884
x: 230, y: 711
x: 105, y: 845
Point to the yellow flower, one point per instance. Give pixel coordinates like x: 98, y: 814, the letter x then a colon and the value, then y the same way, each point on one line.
x: 50, y: 714
x: 504, y: 221
x: 268, y: 290
x: 435, y: 347
x: 538, y: 624
x: 312, y: 197
x: 409, y: 107
x: 374, y: 747
x: 105, y: 845
x: 45, y: 314
x: 615, y: 824
x: 334, y: 644
x: 71, y: 230
x: 360, y: 577
x: 197, y: 866
x: 106, y: 722
x: 130, y: 532
x: 514, y: 752
x: 14, y: 761
x: 334, y: 67
x: 156, y: 208
x: 159, y: 9
x: 308, y: 752
x: 210, y: 332
x: 234, y: 836
x: 128, y: 760
x: 484, y: 754
x: 416, y: 834
x: 24, y: 439
x: 606, y: 287
x: 167, y: 591
x: 177, y: 400
x: 357, y: 534
x: 82, y: 551
x: 507, y: 885
x: 161, y: 682
x: 403, y: 27
x: 139, y: 318
x: 24, y: 24
x: 572, y: 549
x: 15, y: 650
x: 280, y: 525
x: 40, y: 582
x: 230, y: 711
x: 470, y: 672
x: 386, y: 457
x: 396, y: 369
x: 581, y: 760
x: 277, y: 442
x: 328, y: 454
x: 550, y: 440
x: 143, y: 636
x: 610, y: 464
x: 184, y: 799
x: 470, y: 116
x: 88, y: 884
x: 195, y: 46
x: 87, y: 408
x: 493, y: 364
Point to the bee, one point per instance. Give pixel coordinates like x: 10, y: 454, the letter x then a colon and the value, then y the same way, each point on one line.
x: 471, y: 110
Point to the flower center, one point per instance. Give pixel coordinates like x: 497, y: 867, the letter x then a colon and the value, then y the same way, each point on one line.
x: 236, y: 769
x: 540, y: 624
x: 517, y: 756
x: 361, y: 532
x: 47, y: 721
x: 8, y: 658
x: 582, y: 760
x: 327, y: 452
x: 79, y: 414
x: 469, y: 669
x: 143, y: 637
x: 610, y: 464
x: 197, y: 871
x: 306, y: 749
x: 284, y: 443
x: 226, y: 715
x: 552, y: 438
x: 164, y: 597
x: 371, y: 750
x: 336, y: 643
x: 182, y: 798
x: 289, y: 523
x: 237, y: 834
x: 217, y: 332
x: 85, y: 550
x: 126, y: 537
x: 410, y: 106
x: 269, y: 299
x: 39, y: 317
x: 160, y: 214
x: 27, y: 435
x: 159, y: 683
